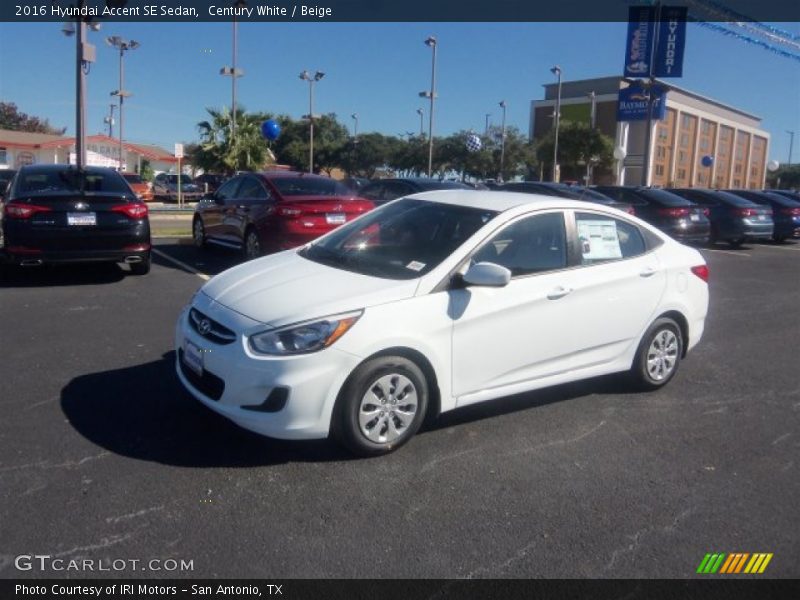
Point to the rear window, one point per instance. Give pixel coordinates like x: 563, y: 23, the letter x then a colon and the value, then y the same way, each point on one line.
x: 735, y: 200
x: 664, y: 198
x: 309, y: 186
x: 70, y: 181
x: 132, y: 178
x: 442, y: 185
x: 783, y: 201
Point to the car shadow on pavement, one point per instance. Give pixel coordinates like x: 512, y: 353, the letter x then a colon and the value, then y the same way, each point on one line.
x: 210, y: 261
x: 61, y: 275
x: 143, y: 412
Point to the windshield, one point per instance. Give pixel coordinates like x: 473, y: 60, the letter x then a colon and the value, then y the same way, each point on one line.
x: 310, y: 186
x: 665, y: 198
x: 132, y: 178
x: 402, y: 240
x: 48, y: 181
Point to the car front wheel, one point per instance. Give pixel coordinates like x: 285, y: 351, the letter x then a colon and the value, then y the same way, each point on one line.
x: 198, y: 233
x: 659, y: 355
x: 381, y: 406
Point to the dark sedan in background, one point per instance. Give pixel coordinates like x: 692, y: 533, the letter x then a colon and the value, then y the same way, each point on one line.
x: 382, y: 191
x: 165, y: 187
x: 260, y: 213
x: 56, y: 213
x: 785, y: 212
x: 561, y: 190
x: 675, y: 216
x: 733, y: 219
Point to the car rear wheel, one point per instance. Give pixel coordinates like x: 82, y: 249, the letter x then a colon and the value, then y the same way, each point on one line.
x: 659, y: 355
x: 252, y: 245
x: 381, y: 406
x: 198, y: 233
x: 141, y: 268
x: 736, y: 242
x: 778, y: 239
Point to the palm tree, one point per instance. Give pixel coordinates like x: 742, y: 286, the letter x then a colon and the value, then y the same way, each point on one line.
x: 216, y: 153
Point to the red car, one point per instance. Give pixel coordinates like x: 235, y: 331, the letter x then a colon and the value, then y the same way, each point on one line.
x: 140, y: 187
x: 261, y: 213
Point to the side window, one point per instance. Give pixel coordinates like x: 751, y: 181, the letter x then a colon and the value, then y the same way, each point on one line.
x: 394, y: 189
x: 602, y: 238
x: 372, y: 192
x: 531, y: 245
x: 228, y: 191
x: 252, y: 189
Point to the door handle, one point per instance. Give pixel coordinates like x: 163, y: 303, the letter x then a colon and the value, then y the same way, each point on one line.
x: 647, y: 272
x: 558, y: 292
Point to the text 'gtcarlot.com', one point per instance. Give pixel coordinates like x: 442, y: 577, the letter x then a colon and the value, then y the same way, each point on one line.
x: 45, y: 562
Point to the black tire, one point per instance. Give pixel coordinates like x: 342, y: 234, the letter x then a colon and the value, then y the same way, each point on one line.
x: 394, y: 371
x: 198, y: 233
x: 141, y: 268
x: 778, y: 239
x: 645, y: 376
x: 252, y: 245
x: 736, y: 242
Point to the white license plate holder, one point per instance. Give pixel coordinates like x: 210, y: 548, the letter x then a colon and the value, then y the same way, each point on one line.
x: 335, y: 218
x: 82, y: 219
x: 193, y: 357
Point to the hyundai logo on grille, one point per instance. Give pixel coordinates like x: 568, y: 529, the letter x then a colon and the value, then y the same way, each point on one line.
x: 203, y: 327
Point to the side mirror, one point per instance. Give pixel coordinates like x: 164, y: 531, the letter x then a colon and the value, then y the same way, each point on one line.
x: 487, y: 274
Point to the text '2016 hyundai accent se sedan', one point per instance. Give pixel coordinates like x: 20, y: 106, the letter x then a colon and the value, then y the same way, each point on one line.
x: 437, y: 301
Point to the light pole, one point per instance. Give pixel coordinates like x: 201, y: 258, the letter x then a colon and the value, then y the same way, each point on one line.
x: 592, y: 120
x: 123, y: 46
x: 502, y: 140
x: 791, y: 146
x: 311, y: 79
x: 486, y: 129
x: 109, y: 120
x: 431, y: 43
x: 354, y: 116
x: 84, y: 55
x: 233, y: 72
x: 421, y: 114
x: 557, y: 119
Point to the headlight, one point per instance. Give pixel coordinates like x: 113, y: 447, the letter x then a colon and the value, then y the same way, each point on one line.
x: 302, y: 338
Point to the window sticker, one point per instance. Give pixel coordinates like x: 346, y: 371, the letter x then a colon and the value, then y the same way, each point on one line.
x: 415, y: 266
x: 599, y: 239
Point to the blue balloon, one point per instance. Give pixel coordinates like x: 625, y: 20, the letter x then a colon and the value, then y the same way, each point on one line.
x: 707, y: 160
x: 270, y: 130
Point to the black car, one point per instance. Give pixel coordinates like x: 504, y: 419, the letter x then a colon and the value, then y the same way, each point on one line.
x: 786, y: 193
x: 6, y: 175
x: 785, y: 212
x: 672, y: 214
x: 385, y: 190
x: 561, y: 190
x: 733, y: 219
x: 57, y: 213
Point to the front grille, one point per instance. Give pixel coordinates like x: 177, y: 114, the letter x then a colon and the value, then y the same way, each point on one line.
x: 213, y: 332
x: 207, y: 383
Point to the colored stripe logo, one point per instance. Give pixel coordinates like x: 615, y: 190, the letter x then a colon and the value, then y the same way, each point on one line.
x: 734, y: 563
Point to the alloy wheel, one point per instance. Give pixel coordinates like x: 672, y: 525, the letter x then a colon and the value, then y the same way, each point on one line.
x: 388, y: 408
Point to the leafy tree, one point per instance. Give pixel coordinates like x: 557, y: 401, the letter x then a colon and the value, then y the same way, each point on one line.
x: 370, y: 152
x: 578, y: 143
x: 330, y: 137
x: 787, y: 175
x: 145, y: 170
x: 11, y: 118
x: 219, y: 154
x: 518, y: 160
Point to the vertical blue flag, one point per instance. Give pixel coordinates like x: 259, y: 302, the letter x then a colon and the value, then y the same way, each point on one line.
x: 639, y: 44
x: 668, y: 60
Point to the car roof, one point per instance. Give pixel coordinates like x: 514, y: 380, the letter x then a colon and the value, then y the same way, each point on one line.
x: 280, y: 174
x: 499, y: 200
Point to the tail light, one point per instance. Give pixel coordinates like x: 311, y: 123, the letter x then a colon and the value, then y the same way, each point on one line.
x: 674, y: 212
x: 701, y: 271
x: 706, y: 212
x: 132, y: 210
x: 749, y: 212
x: 23, y: 211
x: 289, y: 211
x: 792, y: 212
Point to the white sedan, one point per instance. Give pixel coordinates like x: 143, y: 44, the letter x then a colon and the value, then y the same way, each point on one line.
x: 437, y: 301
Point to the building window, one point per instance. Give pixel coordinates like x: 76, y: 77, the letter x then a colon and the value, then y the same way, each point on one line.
x: 681, y: 173
x: 660, y: 170
x: 737, y: 183
x: 686, y: 121
x: 681, y: 157
x: 737, y: 169
x: 684, y: 140
x: 701, y: 178
x: 3, y: 156
x: 661, y: 151
x: 706, y: 127
x: 662, y: 133
x: 704, y: 144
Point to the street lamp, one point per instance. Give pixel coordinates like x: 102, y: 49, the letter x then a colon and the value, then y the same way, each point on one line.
x: 109, y: 120
x: 123, y: 46
x: 791, y: 146
x: 233, y: 72
x: 421, y: 114
x: 486, y: 129
x: 557, y: 119
x: 502, y: 139
x: 354, y: 116
x: 432, y: 44
x: 311, y: 79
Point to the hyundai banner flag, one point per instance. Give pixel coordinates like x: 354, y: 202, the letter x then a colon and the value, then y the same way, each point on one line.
x: 639, y: 45
x: 670, y: 42
x: 632, y: 103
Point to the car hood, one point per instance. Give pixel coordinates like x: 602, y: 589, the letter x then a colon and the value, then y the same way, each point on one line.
x: 286, y: 288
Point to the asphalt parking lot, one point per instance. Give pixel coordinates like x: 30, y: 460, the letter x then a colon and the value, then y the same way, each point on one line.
x: 104, y: 456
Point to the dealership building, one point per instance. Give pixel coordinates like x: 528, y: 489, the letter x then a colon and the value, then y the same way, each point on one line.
x: 700, y: 142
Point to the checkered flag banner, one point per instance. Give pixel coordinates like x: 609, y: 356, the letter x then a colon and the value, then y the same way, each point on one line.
x: 474, y: 143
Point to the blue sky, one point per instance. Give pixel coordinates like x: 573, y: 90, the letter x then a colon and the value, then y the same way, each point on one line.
x: 373, y: 69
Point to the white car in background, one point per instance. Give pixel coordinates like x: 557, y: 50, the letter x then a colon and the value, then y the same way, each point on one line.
x: 437, y: 301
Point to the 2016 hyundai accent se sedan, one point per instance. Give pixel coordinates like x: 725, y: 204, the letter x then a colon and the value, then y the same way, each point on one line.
x: 437, y: 301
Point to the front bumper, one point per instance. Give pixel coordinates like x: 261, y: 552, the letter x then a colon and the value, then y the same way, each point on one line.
x: 239, y: 379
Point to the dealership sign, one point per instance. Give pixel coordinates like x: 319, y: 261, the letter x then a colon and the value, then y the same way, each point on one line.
x: 632, y: 103
x: 670, y: 39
